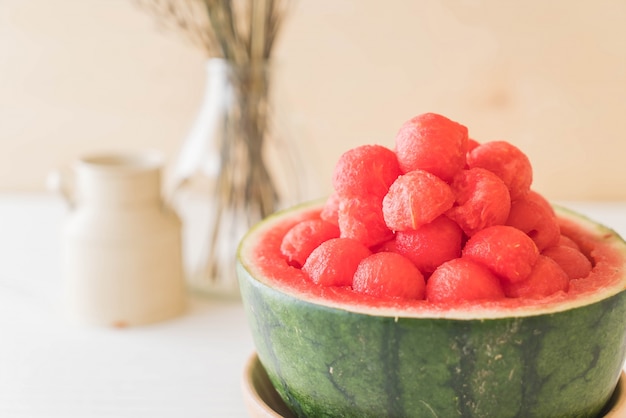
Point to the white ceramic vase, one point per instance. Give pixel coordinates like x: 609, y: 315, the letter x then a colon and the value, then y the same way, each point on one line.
x: 246, y: 170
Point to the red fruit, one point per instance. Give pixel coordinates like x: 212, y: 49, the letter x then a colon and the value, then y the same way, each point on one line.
x: 571, y: 260
x: 414, y: 199
x: 461, y: 279
x: 389, y: 275
x: 431, y: 244
x: 365, y: 171
x: 507, y: 251
x: 546, y: 278
x: 362, y: 220
x: 507, y: 162
x: 334, y: 262
x: 482, y: 200
x: 433, y: 143
x: 536, y: 220
x: 330, y: 210
x: 567, y: 242
x: 387, y: 246
x: 540, y: 200
x: 471, y: 144
x: 304, y: 237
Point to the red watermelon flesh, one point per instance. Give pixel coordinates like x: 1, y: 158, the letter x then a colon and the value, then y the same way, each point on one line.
x: 428, y: 206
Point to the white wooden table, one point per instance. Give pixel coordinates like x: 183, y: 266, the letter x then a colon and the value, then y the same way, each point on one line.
x: 188, y: 367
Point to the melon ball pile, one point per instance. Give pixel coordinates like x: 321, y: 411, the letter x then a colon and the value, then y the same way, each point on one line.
x: 441, y: 217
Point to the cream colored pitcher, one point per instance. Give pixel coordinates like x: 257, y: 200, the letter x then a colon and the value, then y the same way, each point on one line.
x: 122, y: 256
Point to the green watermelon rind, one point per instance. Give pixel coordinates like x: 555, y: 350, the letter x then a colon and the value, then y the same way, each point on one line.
x: 346, y: 361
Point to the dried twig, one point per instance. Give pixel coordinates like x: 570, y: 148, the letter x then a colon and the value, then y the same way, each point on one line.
x: 241, y: 31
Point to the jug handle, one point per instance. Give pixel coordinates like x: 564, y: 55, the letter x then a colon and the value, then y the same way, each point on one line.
x: 58, y: 181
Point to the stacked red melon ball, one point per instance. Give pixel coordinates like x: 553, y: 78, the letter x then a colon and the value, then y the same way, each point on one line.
x: 442, y: 218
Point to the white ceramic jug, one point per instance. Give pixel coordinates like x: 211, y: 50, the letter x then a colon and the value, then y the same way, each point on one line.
x: 122, y: 243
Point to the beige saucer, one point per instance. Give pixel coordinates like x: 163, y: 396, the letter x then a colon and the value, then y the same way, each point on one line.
x: 262, y: 401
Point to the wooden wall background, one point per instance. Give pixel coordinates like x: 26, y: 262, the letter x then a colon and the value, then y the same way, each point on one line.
x: 84, y: 75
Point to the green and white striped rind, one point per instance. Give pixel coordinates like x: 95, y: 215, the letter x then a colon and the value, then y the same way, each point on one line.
x: 347, y: 358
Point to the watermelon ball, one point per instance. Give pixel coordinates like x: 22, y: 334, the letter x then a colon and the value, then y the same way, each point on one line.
x: 415, y: 199
x: 540, y: 200
x: 433, y: 143
x: 567, y: 242
x: 471, y: 144
x: 481, y: 200
x: 507, y: 251
x: 304, y: 237
x: 362, y: 220
x: 334, y: 262
x: 330, y: 210
x: 571, y: 260
x: 389, y: 275
x: 545, y: 279
x: 536, y: 220
x: 508, y: 162
x: 462, y: 279
x: 387, y: 246
x: 431, y: 244
x: 365, y: 171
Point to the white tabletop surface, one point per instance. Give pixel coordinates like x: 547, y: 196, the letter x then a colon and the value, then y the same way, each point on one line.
x: 187, y: 367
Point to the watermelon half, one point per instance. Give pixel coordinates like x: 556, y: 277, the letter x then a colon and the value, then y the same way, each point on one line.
x: 330, y: 352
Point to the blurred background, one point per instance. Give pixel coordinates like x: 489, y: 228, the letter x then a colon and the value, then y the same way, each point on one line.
x: 79, y: 76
